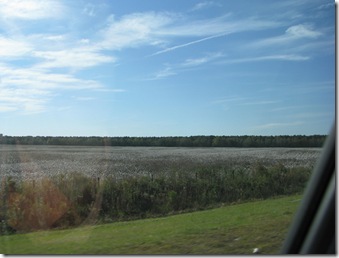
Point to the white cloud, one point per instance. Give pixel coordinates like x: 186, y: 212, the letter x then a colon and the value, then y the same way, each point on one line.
x: 210, y: 29
x: 222, y: 25
x: 76, y: 58
x: 327, y: 5
x: 31, y: 89
x: 267, y: 58
x: 302, y: 31
x: 133, y: 30
x: 84, y: 98
x: 284, y: 108
x: 166, y: 72
x: 292, y: 34
x: 243, y: 101
x: 54, y: 37
x: 309, y: 115
x: 156, y: 29
x: 64, y: 108
x: 229, y: 100
x: 40, y: 82
x: 30, y: 9
x: 204, y: 5
x: 190, y: 63
x: 278, y: 125
x: 186, y: 44
x: 6, y: 108
x: 109, y: 90
x: 202, y: 60
x: 26, y: 100
x: 261, y: 102
x: 322, y: 47
x: 13, y: 48
x: 89, y: 10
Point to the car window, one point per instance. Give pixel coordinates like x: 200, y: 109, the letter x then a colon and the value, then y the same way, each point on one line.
x: 160, y: 127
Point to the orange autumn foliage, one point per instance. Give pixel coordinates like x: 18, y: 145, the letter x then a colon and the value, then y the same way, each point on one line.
x: 36, y: 206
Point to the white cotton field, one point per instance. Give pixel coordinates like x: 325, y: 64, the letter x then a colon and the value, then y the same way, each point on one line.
x: 23, y: 162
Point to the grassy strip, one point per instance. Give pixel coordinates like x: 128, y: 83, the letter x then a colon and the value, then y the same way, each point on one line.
x: 235, y: 229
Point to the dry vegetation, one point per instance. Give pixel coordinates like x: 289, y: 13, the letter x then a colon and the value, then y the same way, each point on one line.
x: 45, y: 187
x: 23, y: 162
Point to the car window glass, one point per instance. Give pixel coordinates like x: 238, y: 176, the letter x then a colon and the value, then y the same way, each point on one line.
x: 160, y: 127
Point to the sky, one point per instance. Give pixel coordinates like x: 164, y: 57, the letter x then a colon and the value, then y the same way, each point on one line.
x: 166, y: 68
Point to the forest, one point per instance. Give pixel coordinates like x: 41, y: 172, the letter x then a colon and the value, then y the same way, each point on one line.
x: 245, y: 141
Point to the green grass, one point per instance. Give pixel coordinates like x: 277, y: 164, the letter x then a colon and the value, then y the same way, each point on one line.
x: 235, y: 229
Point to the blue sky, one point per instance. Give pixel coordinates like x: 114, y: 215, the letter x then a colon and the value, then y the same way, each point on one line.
x: 166, y: 68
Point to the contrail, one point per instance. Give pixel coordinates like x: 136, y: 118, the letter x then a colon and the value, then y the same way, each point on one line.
x: 188, y: 44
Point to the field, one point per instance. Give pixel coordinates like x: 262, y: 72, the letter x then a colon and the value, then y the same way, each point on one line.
x: 59, y: 187
x: 22, y: 162
x: 235, y: 229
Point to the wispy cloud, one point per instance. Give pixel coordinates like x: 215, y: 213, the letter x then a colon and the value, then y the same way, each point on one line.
x: 266, y: 58
x: 133, y: 30
x: 260, y: 102
x: 204, y: 5
x: 161, y: 74
x: 89, y: 10
x: 31, y: 9
x: 284, y: 108
x: 42, y: 79
x: 210, y: 29
x: 84, y: 98
x: 201, y: 60
x: 320, y: 46
x: 238, y: 101
x: 309, y: 115
x: 152, y: 28
x: 105, y: 89
x: 45, y: 55
x: 11, y: 48
x: 77, y: 58
x: 27, y: 100
x: 7, y: 108
x: 277, y: 125
x: 325, y: 6
x: 187, y: 44
x: 53, y: 58
x: 292, y: 34
x: 29, y: 90
x: 189, y: 63
x: 229, y: 100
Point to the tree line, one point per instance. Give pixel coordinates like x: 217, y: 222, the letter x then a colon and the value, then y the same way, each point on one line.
x: 172, y: 141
